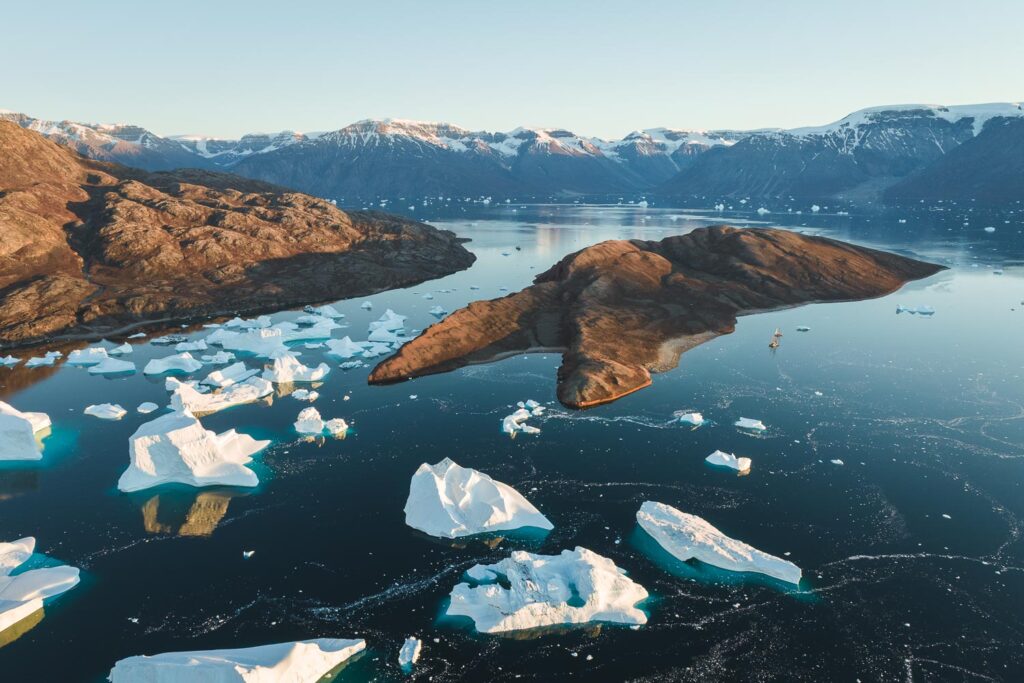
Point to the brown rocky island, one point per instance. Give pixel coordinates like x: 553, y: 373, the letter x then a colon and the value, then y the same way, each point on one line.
x: 88, y: 248
x: 622, y: 309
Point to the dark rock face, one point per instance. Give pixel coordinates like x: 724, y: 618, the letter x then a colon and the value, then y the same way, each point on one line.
x: 88, y: 247
x: 620, y: 310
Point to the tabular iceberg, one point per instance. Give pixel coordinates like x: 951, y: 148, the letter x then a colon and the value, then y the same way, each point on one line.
x: 89, y: 356
x: 723, y: 459
x: 112, y: 366
x: 186, y: 397
x: 751, y: 424
x: 288, y: 368
x: 450, y: 501
x: 575, y: 587
x: 176, y: 448
x: 23, y: 594
x: 18, y: 433
x: 178, y: 363
x: 410, y: 652
x: 688, y: 536
x: 106, y: 411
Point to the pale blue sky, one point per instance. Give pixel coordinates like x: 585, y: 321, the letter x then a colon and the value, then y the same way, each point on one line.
x: 600, y: 68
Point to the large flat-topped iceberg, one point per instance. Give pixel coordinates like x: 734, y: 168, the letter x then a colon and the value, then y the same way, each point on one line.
x: 450, y: 501
x: 576, y: 587
x: 175, y: 448
x: 288, y: 368
x: 18, y: 433
x: 89, y: 356
x: 187, y: 397
x: 303, y: 661
x: 688, y: 537
x: 23, y: 594
x: 179, y: 363
x: 112, y: 366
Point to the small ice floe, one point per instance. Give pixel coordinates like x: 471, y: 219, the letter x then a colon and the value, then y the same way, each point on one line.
x: 326, y: 311
x: 180, y: 363
x: 22, y: 594
x: 803, y: 328
x: 382, y: 336
x: 762, y: 211
x: 336, y: 427
x: 247, y: 554
x: 86, y: 357
x: 175, y: 448
x: 168, y: 339
x: 946, y: 516
x: 438, y: 311
x: 723, y: 459
x: 40, y: 361
x: 121, y: 350
x: 199, y: 345
x: 450, y: 501
x: 410, y: 652
x: 390, y: 321
x: 516, y: 422
x: 137, y: 335
x: 815, y: 208
x: 375, y: 349
x: 413, y: 397
x: 837, y: 461
x: 990, y: 228
x: 305, y: 395
x: 351, y: 365
x: 428, y: 296
x: 18, y: 434
x: 288, y: 368
x: 309, y: 422
x: 997, y: 271
x: 9, y: 361
x: 187, y: 398
x: 693, y: 419
x: 366, y: 305
x: 232, y: 374
x: 112, y: 366
x: 303, y: 661
x: 527, y: 591
x: 248, y: 323
x: 345, y: 347
x: 474, y: 287
x: 919, y: 310
x: 688, y: 537
x: 219, y: 358
x: 106, y: 411
x: 750, y: 424
x: 146, y: 407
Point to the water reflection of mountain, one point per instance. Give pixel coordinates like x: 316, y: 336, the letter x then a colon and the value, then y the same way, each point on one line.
x: 186, y: 513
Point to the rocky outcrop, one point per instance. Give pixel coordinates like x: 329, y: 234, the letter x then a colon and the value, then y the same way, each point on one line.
x: 87, y: 247
x: 622, y: 309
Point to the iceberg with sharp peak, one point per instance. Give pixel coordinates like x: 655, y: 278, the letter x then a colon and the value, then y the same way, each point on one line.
x: 175, y: 448
x: 723, y: 459
x: 179, y: 363
x: 232, y: 374
x: 383, y: 336
x: 187, y: 397
x: 112, y: 366
x: 23, y: 594
x: 576, y: 587
x: 304, y: 661
x: 248, y: 323
x: 438, y: 311
x: 86, y: 357
x: 450, y: 501
x: 288, y: 368
x: 219, y: 358
x: 18, y: 433
x: 198, y: 345
x: 688, y: 537
x: 366, y: 305
x: 106, y: 411
x: 121, y: 350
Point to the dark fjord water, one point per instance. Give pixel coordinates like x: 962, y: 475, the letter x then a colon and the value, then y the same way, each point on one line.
x: 912, y: 552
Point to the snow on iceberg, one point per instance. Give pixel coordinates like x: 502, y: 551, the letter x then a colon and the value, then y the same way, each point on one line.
x: 232, y: 374
x: 450, y: 501
x: 106, y: 411
x: 578, y: 586
x: 179, y: 363
x: 410, y: 652
x: 750, y: 424
x: 186, y: 397
x: 336, y: 427
x: 383, y: 336
x: 723, y: 459
x: 23, y: 594
x: 288, y: 368
x: 303, y: 661
x: 89, y: 356
x: 112, y: 366
x: 219, y: 358
x: 687, y: 536
x: 175, y: 448
x: 18, y: 433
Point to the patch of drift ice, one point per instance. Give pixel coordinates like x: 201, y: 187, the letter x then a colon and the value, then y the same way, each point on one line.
x: 688, y: 537
x: 303, y: 661
x: 450, y: 501
x: 146, y: 407
x: 576, y: 587
x: 18, y: 431
x: 345, y: 348
x: 179, y: 363
x: 305, y: 395
x: 287, y: 368
x: 175, y: 448
x: 106, y: 411
x: 410, y: 652
x: 23, y: 594
x: 723, y: 459
x: 516, y: 422
x: 187, y: 397
x: 750, y: 424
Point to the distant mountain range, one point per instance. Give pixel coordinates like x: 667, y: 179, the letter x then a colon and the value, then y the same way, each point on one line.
x: 894, y: 153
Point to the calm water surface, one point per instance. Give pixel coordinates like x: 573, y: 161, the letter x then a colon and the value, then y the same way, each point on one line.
x: 911, y: 550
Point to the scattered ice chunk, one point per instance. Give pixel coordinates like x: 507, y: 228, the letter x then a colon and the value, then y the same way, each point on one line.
x: 309, y: 422
x: 990, y: 228
x: 327, y: 311
x: 576, y: 587
x: 516, y: 422
x: 815, y: 208
x: 232, y: 374
x: 219, y: 358
x: 762, y: 211
x: 23, y: 594
x: 288, y: 368
x: 18, y: 434
x: 920, y: 310
x: 168, y: 339
x: 837, y: 461
x: 438, y: 311
x: 9, y: 361
x: 106, y: 411
x: 428, y: 296
x: 199, y: 345
x: 248, y: 324
x: 305, y: 395
x: 302, y: 661
x: 383, y: 336
x: 137, y: 335
x: 351, y: 365
x: 147, y: 407
x: 39, y: 361
x: 121, y: 350
x: 723, y: 459
x: 336, y: 427
x: 687, y: 536
x: 803, y: 328
x: 410, y: 652
x: 175, y: 448
x: 474, y: 287
x: 695, y: 419
x: 345, y: 347
x: 450, y: 501
x: 112, y: 366
x: 247, y: 554
x: 188, y: 397
x: 389, y: 321
x: 181, y: 363
x: 366, y: 305
x: 89, y: 356
x: 750, y: 424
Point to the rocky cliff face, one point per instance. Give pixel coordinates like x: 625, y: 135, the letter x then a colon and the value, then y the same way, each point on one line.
x: 620, y: 310
x: 88, y: 247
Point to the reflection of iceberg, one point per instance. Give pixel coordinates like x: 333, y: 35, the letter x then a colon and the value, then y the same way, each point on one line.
x: 303, y: 661
x: 528, y: 591
x: 22, y: 594
x: 690, y: 537
x: 18, y: 433
x: 186, y: 513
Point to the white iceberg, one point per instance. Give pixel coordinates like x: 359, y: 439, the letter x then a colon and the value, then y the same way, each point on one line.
x: 687, y: 536
x: 247, y: 323
x: 438, y: 311
x: 106, y: 411
x: 410, y: 652
x: 990, y: 228
x: 694, y: 419
x: 40, y: 361
x: 121, y: 350
x: 723, y: 459
x: 351, y: 365
x: 186, y: 397
x: 112, y: 366
x: 175, y: 448
x: 23, y: 594
x: 390, y: 321
x: 375, y: 349
x: 288, y: 368
x: 383, y: 336
x: 232, y: 374
x: 182, y: 363
x: 450, y: 501
x: 146, y: 407
x: 309, y: 422
x: 263, y: 342
x: 290, y: 332
x: 366, y: 305
x: 219, y: 358
x: 326, y: 311
x: 18, y: 433
x: 576, y: 587
x: 305, y: 395
x: 344, y: 347
x: 198, y: 345
x: 9, y: 361
x: 303, y: 661
x: 336, y: 427
x: 89, y: 356
x: 750, y: 424
x: 516, y: 422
